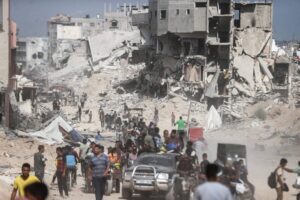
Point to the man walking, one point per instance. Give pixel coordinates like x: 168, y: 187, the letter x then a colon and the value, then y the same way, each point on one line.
x: 99, y: 166
x: 22, y: 181
x: 204, y: 163
x: 90, y: 116
x: 39, y: 163
x: 79, y: 113
x: 101, y: 117
x: 173, y: 117
x: 181, y: 130
x: 61, y: 169
x: 280, y: 180
x: 156, y: 116
x: 212, y: 189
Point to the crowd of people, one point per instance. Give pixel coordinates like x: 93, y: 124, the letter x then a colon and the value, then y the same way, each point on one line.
x: 137, y: 137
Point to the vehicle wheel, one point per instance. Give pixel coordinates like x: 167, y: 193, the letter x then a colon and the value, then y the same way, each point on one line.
x: 108, y: 187
x: 126, y: 193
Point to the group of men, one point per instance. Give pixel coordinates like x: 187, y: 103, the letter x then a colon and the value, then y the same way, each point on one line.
x: 110, y: 121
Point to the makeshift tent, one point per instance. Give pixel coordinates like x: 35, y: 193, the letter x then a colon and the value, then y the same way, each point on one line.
x: 213, y: 119
x: 56, y: 131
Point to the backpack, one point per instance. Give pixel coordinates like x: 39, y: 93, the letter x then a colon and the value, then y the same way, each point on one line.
x: 70, y: 161
x: 272, y: 182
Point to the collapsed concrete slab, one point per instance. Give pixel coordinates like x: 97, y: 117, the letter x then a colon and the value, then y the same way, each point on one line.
x: 245, y: 66
x: 100, y: 48
x: 264, y: 67
x: 254, y: 41
x: 243, y: 89
x: 212, y: 89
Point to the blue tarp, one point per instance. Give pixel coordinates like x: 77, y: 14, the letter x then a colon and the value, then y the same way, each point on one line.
x: 76, y: 137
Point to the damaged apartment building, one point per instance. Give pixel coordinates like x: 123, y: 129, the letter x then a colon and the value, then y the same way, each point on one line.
x: 69, y: 35
x: 218, y: 49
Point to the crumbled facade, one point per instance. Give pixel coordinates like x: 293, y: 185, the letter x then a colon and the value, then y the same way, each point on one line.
x: 31, y: 52
x: 68, y: 33
x: 222, y: 49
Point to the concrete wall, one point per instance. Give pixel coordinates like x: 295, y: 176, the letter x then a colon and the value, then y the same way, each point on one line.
x: 89, y: 26
x: 69, y: 32
x: 123, y: 21
x: 140, y: 17
x: 200, y: 19
x: 4, y: 45
x: 182, y: 22
x: 182, y: 17
x: 36, y: 51
x: 256, y: 15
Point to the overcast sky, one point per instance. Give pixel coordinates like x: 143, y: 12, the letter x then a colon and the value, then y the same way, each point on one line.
x: 32, y: 15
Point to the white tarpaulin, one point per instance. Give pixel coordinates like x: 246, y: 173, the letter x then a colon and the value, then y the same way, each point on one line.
x: 51, y: 134
x: 213, y: 119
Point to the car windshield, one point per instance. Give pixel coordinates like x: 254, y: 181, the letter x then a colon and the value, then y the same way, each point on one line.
x: 161, y: 161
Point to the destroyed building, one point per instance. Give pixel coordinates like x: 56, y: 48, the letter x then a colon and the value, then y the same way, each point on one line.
x: 32, y: 55
x: 219, y: 49
x: 68, y: 33
x: 8, y: 46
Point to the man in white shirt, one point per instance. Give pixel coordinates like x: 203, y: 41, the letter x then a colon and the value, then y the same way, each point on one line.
x: 212, y: 189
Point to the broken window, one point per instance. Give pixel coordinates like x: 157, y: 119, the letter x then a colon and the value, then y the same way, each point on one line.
x: 92, y: 24
x: 34, y: 56
x: 114, y: 23
x: 1, y: 15
x: 177, y: 11
x: 200, y: 4
x: 188, y: 11
x: 40, y: 55
x: 163, y: 14
x: 224, y: 8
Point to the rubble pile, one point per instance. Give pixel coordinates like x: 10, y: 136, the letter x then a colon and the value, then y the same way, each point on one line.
x: 296, y: 91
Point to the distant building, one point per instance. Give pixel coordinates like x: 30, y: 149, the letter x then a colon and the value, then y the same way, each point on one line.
x: 32, y: 52
x: 62, y: 29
